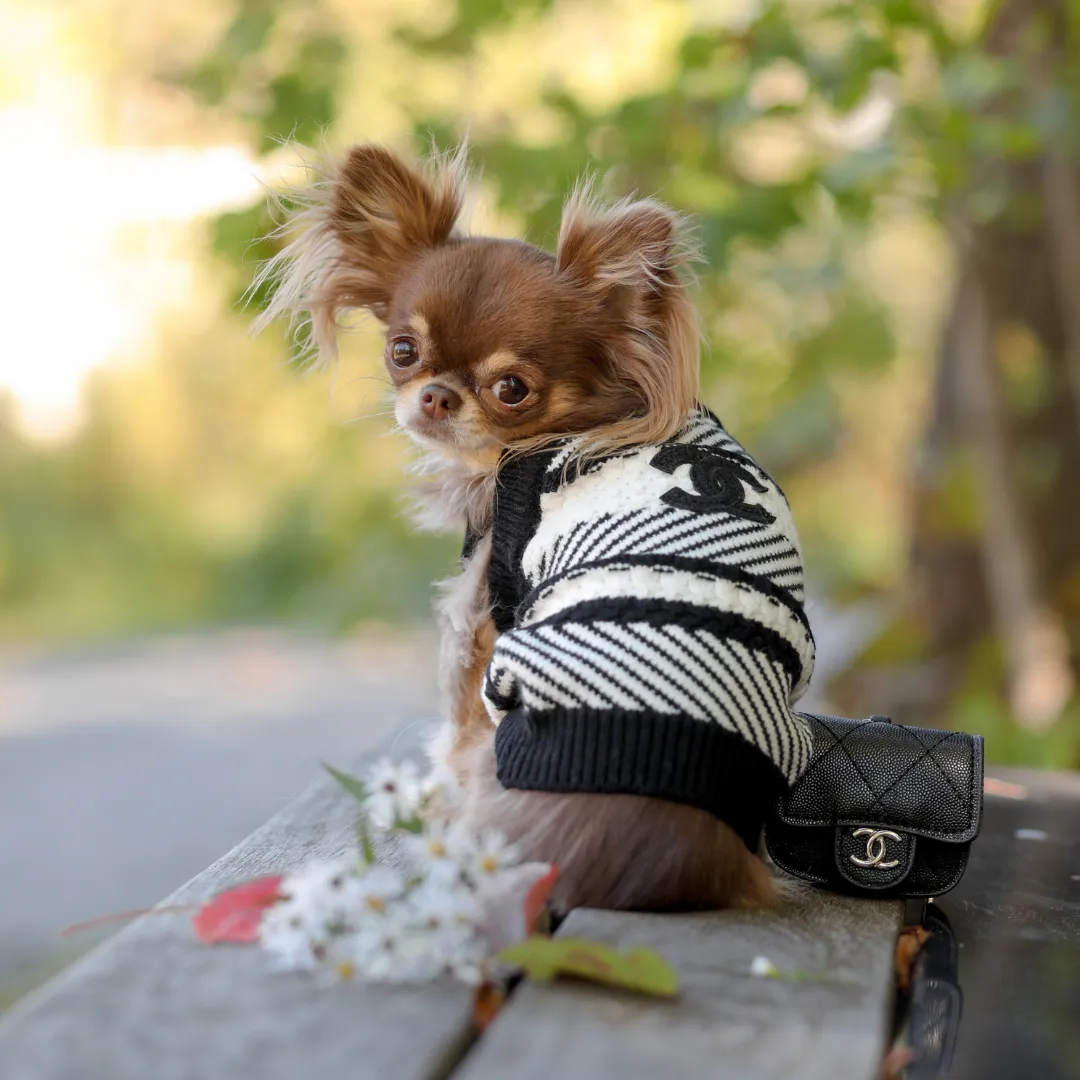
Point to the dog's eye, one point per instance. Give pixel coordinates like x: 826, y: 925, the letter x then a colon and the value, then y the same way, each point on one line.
x: 404, y: 353
x: 511, y: 390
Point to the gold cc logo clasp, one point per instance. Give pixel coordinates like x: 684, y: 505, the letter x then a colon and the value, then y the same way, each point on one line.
x: 875, y: 849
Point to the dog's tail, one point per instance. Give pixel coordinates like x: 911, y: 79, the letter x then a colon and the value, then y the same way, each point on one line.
x: 625, y: 852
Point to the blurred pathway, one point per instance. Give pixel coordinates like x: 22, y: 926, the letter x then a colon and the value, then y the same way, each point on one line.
x: 125, y: 772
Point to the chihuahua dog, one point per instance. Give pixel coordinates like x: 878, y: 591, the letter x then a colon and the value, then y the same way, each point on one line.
x: 497, y: 349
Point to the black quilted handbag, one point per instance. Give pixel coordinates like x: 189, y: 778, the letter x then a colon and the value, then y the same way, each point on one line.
x: 882, y: 809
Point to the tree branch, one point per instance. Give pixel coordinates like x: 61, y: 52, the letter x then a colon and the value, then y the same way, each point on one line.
x: 1063, y: 228
x: 1036, y: 646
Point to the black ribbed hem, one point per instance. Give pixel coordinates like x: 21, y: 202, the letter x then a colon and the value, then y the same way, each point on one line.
x: 616, y: 752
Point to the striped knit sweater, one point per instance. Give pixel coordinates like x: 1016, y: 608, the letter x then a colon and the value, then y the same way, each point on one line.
x: 653, y: 638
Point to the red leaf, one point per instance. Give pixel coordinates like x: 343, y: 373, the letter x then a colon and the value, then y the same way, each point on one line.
x: 537, y: 897
x: 234, y: 915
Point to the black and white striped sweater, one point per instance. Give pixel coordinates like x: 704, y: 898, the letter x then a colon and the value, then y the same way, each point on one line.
x: 653, y: 638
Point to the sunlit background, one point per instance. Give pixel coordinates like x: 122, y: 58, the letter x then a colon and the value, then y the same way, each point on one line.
x: 205, y: 581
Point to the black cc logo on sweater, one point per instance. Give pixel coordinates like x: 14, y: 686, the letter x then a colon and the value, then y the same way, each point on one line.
x: 718, y: 477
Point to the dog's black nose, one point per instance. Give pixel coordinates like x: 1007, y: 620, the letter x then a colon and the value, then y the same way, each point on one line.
x: 438, y: 402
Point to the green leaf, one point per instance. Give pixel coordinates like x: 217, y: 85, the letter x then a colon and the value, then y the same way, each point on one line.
x: 803, y: 428
x: 859, y: 168
x: 363, y: 838
x: 974, y: 78
x: 639, y: 969
x: 354, y: 787
x: 298, y: 109
x: 858, y: 337
x: 358, y: 790
x: 696, y: 50
x: 246, y: 34
x: 474, y: 19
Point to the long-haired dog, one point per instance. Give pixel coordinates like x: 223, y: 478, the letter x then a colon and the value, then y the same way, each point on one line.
x: 498, y: 351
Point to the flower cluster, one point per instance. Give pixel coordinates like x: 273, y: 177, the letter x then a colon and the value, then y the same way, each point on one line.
x: 448, y: 905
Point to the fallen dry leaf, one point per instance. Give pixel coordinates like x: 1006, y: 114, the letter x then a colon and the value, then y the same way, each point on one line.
x: 895, y: 1062
x: 911, y: 940
x: 638, y: 969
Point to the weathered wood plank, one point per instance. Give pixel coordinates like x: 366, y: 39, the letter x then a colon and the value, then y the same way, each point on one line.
x: 154, y: 1003
x: 1016, y: 920
x: 726, y: 1023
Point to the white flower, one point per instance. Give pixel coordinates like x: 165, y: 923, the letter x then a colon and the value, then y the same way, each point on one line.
x: 416, y: 958
x: 430, y: 931
x: 487, y: 854
x: 331, y: 897
x: 388, y: 949
x: 763, y: 968
x: 468, y: 959
x: 468, y: 972
x: 393, y: 792
x: 289, y: 937
x: 375, y: 890
x: 449, y: 942
x: 450, y: 946
x: 501, y: 898
x: 434, y: 852
x: 435, y: 904
x: 371, y: 921
x: 318, y: 890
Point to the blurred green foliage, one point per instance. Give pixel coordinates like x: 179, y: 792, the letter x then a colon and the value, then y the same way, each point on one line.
x: 93, y: 544
x: 821, y: 149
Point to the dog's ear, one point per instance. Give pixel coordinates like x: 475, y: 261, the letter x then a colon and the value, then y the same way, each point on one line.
x: 623, y: 254
x: 630, y: 258
x: 383, y: 213
x: 360, y: 227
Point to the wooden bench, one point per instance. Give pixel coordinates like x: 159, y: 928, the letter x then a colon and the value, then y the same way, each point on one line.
x: 153, y: 1004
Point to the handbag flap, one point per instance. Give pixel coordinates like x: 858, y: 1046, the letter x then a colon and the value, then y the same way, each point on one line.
x: 874, y: 773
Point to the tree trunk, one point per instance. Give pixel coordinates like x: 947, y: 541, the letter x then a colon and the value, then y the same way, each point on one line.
x: 1011, y: 572
x: 1034, y: 643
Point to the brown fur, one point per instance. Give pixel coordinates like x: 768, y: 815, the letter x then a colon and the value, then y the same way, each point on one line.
x: 468, y: 638
x: 604, y: 338
x: 620, y: 851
